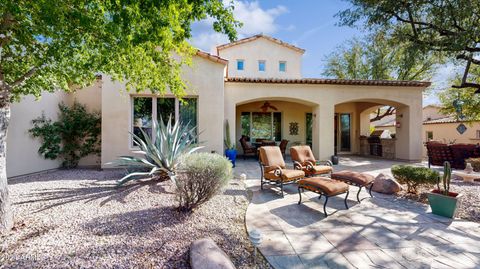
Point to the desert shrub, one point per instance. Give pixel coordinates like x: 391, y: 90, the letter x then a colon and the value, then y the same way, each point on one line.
x: 199, y: 178
x: 475, y: 163
x: 414, y: 176
x: 160, y: 152
x: 74, y: 135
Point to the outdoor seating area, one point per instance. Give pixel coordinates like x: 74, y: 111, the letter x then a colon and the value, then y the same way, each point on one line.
x: 381, y: 232
x: 306, y: 173
x: 456, y: 154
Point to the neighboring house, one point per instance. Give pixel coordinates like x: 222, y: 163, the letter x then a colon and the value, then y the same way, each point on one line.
x: 255, y: 84
x: 443, y: 128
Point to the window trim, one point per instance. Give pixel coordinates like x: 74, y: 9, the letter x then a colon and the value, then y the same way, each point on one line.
x: 427, y: 135
x: 264, y: 65
x: 243, y: 64
x: 154, y: 112
x: 279, y: 64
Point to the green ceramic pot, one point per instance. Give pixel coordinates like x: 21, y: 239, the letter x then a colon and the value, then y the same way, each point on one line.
x: 443, y: 205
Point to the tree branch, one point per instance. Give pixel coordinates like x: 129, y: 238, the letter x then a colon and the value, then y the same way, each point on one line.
x: 23, y: 78
x: 390, y: 110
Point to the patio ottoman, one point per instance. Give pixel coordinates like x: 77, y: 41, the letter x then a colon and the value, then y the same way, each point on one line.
x: 325, y: 187
x: 356, y: 179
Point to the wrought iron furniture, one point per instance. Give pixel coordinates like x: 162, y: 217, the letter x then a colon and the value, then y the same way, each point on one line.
x: 273, y: 169
x: 325, y: 187
x: 283, y: 146
x: 303, y: 159
x: 356, y: 179
x: 247, y: 148
x: 455, y: 154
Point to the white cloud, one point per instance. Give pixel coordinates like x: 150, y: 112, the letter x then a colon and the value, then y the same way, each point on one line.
x: 255, y: 20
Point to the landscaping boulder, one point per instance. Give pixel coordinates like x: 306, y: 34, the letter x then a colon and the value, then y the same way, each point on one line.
x: 386, y: 184
x: 205, y: 254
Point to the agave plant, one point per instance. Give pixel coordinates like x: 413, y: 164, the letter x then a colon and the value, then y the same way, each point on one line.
x: 161, y: 151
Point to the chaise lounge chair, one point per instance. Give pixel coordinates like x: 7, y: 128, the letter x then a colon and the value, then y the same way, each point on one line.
x: 303, y: 159
x: 273, y: 168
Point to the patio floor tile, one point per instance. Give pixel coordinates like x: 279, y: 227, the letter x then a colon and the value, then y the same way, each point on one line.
x: 331, y: 260
x: 380, y: 232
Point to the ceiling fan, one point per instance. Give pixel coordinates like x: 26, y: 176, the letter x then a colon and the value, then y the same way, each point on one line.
x: 266, y: 106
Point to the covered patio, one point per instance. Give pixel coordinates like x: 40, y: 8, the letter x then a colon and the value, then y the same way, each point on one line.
x: 381, y: 232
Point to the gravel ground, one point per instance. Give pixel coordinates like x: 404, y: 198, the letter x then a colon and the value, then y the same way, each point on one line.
x: 77, y: 219
x: 469, y: 208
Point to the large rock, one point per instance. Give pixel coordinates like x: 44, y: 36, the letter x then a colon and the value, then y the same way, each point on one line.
x: 386, y: 184
x: 205, y: 254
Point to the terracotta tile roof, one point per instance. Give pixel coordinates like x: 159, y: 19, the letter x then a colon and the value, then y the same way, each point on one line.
x: 212, y: 57
x: 331, y: 81
x: 255, y: 37
x: 448, y: 119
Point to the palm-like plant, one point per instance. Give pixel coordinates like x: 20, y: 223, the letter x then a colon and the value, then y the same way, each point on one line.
x: 160, y: 154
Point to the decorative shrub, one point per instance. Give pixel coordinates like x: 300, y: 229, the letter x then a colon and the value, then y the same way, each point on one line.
x: 475, y: 163
x: 73, y: 136
x: 414, y: 176
x: 160, y: 156
x: 199, y: 178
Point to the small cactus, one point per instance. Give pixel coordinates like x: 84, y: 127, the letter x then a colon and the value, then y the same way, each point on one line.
x: 447, y: 176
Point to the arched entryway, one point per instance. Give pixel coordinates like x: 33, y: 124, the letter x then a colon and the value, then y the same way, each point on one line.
x: 353, y: 130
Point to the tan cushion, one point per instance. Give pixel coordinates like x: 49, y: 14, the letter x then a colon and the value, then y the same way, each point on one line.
x: 361, y: 179
x: 302, y: 154
x: 271, y: 157
x: 287, y: 175
x: 322, y: 169
x: 326, y: 185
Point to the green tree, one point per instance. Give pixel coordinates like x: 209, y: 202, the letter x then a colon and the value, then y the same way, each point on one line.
x: 462, y: 102
x: 50, y: 45
x: 377, y: 57
x: 449, y: 27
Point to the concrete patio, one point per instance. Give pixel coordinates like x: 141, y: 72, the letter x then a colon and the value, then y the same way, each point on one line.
x: 381, y: 232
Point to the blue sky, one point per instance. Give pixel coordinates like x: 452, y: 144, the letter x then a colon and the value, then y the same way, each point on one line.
x: 309, y: 24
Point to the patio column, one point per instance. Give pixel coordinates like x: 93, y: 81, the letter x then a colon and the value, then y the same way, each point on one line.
x: 409, y: 133
x: 323, y: 131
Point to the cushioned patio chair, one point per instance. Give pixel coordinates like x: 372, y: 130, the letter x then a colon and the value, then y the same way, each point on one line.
x: 247, y: 148
x: 273, y: 169
x: 303, y: 159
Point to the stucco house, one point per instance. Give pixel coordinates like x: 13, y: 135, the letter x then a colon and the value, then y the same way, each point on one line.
x: 254, y: 83
x: 440, y: 127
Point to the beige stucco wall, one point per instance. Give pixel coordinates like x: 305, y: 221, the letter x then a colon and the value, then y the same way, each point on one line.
x: 432, y: 112
x: 262, y: 49
x: 328, y: 99
x: 291, y: 112
x: 22, y: 148
x: 205, y: 80
x: 91, y: 97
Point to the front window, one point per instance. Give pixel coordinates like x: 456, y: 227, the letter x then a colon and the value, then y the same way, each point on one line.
x: 282, y: 66
x: 261, y: 65
x: 478, y: 134
x: 142, y: 115
x: 262, y: 125
x: 429, y: 135
x: 240, y: 65
x: 143, y: 112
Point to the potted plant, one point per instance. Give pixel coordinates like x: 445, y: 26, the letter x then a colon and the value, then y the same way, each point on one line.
x: 443, y: 202
x: 230, y: 148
